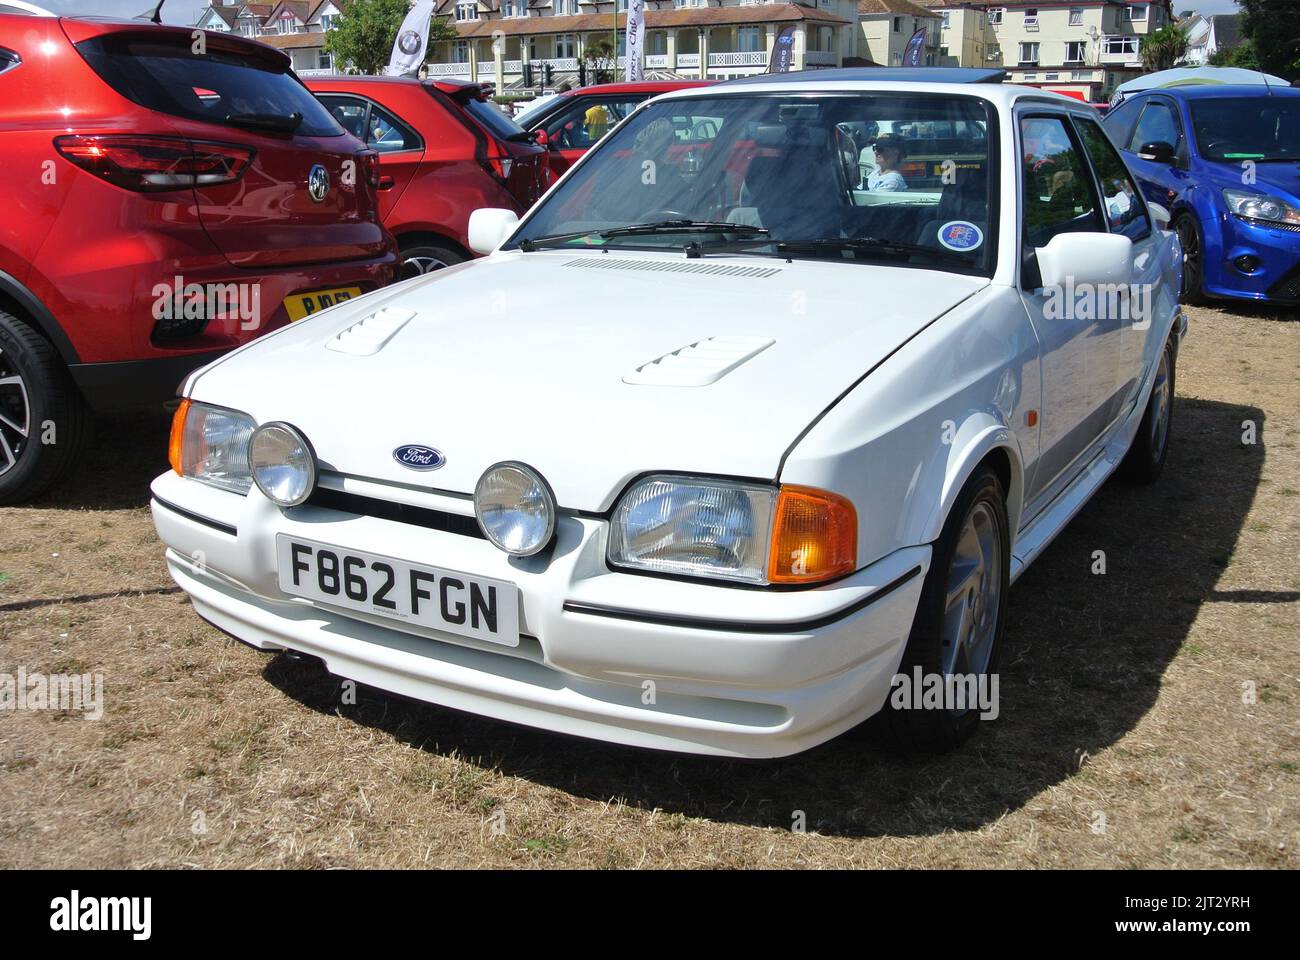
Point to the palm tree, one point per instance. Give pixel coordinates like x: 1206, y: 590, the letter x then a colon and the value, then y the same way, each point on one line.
x: 1163, y: 48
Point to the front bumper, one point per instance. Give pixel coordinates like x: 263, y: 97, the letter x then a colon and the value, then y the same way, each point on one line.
x: 1274, y: 276
x: 733, y: 672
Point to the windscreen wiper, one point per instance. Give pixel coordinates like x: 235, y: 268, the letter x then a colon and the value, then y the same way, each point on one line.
x: 636, y: 229
x: 694, y: 250
x: 871, y: 244
x: 266, y: 121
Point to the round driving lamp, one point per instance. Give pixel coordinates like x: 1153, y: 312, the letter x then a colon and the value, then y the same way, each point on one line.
x: 283, y: 464
x: 515, y: 508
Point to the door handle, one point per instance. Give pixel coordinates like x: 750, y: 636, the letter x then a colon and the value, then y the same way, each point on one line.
x: 386, y: 182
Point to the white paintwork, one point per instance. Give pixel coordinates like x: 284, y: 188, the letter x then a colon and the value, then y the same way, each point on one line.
x: 888, y: 385
x: 489, y: 227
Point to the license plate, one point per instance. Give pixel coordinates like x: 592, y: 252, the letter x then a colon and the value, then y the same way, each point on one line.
x: 305, y: 304
x: 414, y: 593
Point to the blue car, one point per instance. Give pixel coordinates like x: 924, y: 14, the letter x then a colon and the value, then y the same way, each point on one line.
x: 1225, y: 161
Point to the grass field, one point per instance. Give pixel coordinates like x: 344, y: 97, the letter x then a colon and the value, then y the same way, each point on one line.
x: 1150, y: 715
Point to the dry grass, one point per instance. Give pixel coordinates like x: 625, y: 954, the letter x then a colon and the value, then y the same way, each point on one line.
x: 1121, y: 694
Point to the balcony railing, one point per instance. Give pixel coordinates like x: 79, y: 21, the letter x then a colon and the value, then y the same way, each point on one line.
x: 656, y: 61
x: 447, y: 69
x: 738, y: 58
x: 688, y: 60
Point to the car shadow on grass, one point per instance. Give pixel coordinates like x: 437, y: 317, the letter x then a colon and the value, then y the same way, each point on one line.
x: 1084, y: 658
x: 127, y: 450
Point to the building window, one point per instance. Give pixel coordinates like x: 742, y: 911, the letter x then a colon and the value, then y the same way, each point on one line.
x: 1076, y: 16
x: 1031, y: 16
x: 1074, y: 50
x: 995, y: 15
x: 622, y: 6
x: 1028, y: 52
x: 1116, y: 46
x: 327, y: 22
x: 467, y: 11
x: 565, y: 8
x: 1136, y: 13
x: 947, y: 15
x: 1051, y: 76
x: 324, y: 61
x: 898, y: 24
x: 1031, y: 76
x: 460, y: 51
x: 565, y: 45
x: 750, y: 39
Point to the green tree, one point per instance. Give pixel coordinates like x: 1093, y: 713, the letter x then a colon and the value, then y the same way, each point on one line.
x: 363, y: 36
x: 442, y: 29
x: 600, y: 58
x: 1242, y: 55
x: 1163, y: 48
x: 1274, y: 29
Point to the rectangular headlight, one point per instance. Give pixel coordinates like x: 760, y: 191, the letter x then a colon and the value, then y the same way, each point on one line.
x: 733, y: 530
x: 211, y: 444
x: 694, y: 527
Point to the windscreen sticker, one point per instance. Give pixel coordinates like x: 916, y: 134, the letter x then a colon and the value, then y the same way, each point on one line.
x: 961, y: 235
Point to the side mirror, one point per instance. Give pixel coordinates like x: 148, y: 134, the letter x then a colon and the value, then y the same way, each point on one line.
x: 489, y: 227
x: 1093, y: 258
x: 1158, y: 152
x: 540, y: 137
x: 1160, y: 215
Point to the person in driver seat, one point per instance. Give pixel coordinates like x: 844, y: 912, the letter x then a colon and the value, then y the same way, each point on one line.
x: 889, y: 156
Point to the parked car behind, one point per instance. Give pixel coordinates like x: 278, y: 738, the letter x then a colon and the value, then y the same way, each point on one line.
x: 785, y: 441
x: 574, y: 120
x: 160, y: 207
x: 444, y: 150
x: 1225, y: 161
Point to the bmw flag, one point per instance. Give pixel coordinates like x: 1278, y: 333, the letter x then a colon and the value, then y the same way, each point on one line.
x: 411, y: 41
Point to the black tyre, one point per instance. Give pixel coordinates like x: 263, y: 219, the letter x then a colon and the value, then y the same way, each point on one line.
x: 1145, y: 460
x: 421, y: 258
x: 1189, y: 236
x: 44, y: 422
x: 960, y: 618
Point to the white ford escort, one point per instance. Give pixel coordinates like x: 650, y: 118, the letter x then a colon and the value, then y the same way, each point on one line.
x: 768, y: 401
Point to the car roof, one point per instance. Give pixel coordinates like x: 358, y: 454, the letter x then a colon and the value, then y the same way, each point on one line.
x: 879, y: 74
x: 638, y: 86
x: 953, y: 81
x: 1211, y: 91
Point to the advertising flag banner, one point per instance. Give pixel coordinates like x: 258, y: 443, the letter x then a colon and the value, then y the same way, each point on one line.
x: 635, y: 41
x: 912, y: 55
x: 411, y: 41
x: 782, y: 51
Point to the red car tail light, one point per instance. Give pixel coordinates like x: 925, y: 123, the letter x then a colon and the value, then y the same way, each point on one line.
x: 155, y: 163
x: 499, y: 166
x: 370, y: 166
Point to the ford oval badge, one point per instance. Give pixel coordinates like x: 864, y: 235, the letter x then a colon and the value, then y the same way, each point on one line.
x: 419, y: 458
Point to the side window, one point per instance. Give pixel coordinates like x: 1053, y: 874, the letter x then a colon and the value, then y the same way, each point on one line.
x: 1156, y: 123
x: 370, y: 123
x: 1058, y: 196
x: 348, y: 111
x: 1119, y: 122
x: 1125, y: 210
x: 387, y: 134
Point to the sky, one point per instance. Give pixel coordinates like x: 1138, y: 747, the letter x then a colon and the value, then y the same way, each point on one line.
x: 183, y: 12
x: 187, y: 11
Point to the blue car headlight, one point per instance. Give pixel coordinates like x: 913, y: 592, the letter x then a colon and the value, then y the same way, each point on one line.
x: 1261, y: 206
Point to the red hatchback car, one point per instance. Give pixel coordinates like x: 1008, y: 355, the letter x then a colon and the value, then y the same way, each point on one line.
x: 444, y: 151
x: 572, y: 122
x: 167, y: 197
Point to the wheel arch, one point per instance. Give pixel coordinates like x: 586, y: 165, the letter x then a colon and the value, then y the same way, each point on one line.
x: 982, y: 440
x: 416, y: 236
x: 18, y: 300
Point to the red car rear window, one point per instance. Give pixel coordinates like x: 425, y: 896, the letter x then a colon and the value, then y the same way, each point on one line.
x: 222, y: 87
